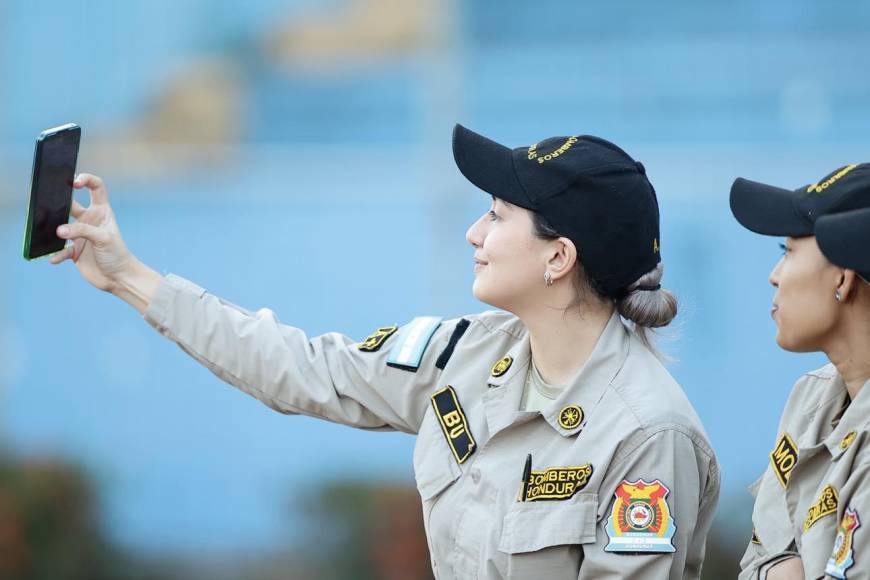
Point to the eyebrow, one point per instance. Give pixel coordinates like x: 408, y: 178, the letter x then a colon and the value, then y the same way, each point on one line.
x: 503, y: 203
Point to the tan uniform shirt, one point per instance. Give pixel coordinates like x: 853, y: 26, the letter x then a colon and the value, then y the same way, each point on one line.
x: 813, y: 499
x: 624, y: 483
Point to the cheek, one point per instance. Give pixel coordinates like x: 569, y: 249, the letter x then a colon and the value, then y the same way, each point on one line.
x: 513, y: 269
x: 804, y: 315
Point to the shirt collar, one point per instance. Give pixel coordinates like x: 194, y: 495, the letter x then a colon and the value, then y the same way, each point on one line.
x: 587, y: 387
x: 584, y: 390
x: 854, y: 419
x: 502, y: 401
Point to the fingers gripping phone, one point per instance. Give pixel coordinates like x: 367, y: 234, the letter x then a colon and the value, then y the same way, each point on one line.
x: 51, y: 185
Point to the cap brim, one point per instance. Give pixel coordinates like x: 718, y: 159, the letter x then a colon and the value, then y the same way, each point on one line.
x: 488, y: 165
x: 844, y: 239
x: 767, y: 210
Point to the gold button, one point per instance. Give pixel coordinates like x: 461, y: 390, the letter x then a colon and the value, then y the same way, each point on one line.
x: 847, y: 440
x: 502, y: 366
x: 570, y: 416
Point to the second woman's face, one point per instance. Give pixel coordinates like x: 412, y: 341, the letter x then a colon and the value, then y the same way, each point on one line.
x: 509, y: 260
x: 804, y: 305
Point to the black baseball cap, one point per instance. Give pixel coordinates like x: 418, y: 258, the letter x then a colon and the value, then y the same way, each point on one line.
x: 834, y: 209
x: 591, y: 191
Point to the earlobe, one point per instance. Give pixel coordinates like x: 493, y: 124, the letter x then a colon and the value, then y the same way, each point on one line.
x: 563, y: 259
x: 846, y: 285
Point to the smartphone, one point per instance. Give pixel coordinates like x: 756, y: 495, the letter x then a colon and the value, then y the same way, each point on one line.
x: 51, y: 186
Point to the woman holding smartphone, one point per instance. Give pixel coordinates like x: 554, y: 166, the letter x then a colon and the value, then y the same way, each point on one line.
x: 812, y: 506
x: 552, y: 443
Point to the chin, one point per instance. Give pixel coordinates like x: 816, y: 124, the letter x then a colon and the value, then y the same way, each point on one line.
x: 485, y: 295
x: 793, y: 345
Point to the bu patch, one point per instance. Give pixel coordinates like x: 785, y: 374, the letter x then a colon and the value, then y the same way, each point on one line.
x: 453, y: 423
x: 844, y: 552
x: 783, y: 458
x: 640, y: 520
x: 825, y: 505
x: 570, y: 417
x: 557, y: 482
x: 376, y: 340
x: 502, y: 366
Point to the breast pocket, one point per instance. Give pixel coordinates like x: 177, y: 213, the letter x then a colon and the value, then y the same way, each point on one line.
x: 543, y: 539
x: 435, y: 468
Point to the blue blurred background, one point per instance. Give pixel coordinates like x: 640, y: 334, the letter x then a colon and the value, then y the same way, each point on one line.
x: 296, y: 155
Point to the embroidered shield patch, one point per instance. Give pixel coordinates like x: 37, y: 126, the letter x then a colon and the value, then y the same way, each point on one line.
x: 640, y: 520
x: 844, y: 554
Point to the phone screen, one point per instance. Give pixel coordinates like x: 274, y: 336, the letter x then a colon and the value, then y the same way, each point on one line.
x: 51, y: 193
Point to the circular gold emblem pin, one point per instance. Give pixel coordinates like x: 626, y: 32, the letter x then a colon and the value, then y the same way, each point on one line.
x: 571, y: 416
x: 847, y: 440
x: 502, y: 366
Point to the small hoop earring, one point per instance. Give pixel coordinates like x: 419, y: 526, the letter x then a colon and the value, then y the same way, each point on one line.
x: 548, y: 278
x: 837, y: 296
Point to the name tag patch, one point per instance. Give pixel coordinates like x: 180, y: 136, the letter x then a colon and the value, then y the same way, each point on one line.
x: 558, y: 482
x: 825, y: 505
x: 783, y: 458
x: 640, y: 521
x: 453, y: 423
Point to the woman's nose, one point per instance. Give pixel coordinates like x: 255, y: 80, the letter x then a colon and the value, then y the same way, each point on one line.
x: 773, y: 278
x: 475, y: 234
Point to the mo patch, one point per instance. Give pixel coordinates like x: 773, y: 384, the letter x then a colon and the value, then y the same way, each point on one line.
x: 453, y: 423
x: 783, y: 458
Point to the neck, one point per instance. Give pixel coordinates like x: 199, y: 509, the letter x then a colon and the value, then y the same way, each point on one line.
x: 561, y: 341
x: 850, y: 353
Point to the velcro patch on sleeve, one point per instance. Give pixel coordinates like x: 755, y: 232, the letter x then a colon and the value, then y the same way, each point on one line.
x: 412, y: 342
x: 453, y: 423
x: 783, y: 458
x: 640, y: 521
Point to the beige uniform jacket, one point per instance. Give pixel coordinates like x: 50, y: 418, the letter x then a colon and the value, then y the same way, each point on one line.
x: 623, y: 481
x: 813, y: 499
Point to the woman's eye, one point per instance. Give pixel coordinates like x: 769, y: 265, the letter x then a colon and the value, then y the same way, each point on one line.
x: 492, y: 216
x: 784, y: 248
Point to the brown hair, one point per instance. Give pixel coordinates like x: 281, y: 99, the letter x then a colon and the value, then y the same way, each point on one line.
x: 647, y: 308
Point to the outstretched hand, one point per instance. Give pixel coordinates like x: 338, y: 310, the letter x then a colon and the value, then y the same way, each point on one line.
x: 96, y: 246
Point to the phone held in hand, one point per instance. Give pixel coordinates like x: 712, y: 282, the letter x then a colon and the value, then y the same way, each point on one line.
x: 51, y: 186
